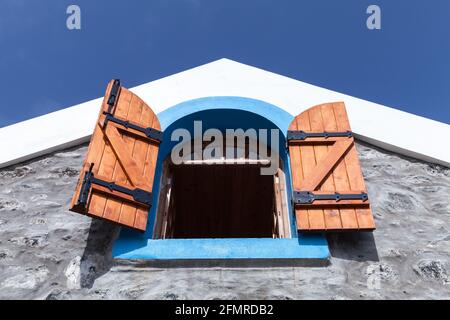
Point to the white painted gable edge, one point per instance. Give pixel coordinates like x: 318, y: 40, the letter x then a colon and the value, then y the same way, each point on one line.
x: 391, y: 129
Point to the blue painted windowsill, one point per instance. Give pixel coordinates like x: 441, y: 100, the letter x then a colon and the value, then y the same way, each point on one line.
x: 305, y: 247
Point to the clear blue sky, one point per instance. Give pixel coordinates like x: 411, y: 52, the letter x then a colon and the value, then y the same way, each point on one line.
x: 45, y: 67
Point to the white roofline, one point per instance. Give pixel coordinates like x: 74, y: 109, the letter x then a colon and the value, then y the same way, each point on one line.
x: 388, y: 128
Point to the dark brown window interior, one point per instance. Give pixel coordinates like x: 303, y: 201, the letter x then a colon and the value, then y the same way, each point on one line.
x: 220, y: 201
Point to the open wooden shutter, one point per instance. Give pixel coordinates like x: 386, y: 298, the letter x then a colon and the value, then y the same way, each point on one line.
x: 116, y: 180
x: 329, y: 190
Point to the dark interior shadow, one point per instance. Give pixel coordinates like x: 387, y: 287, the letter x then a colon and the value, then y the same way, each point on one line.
x: 97, y: 256
x: 357, y: 246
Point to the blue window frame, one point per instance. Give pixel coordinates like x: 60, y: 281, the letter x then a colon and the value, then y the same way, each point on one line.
x: 237, y: 112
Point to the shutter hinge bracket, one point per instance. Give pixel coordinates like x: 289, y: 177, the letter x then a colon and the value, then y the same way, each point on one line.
x: 138, y: 195
x: 149, y: 132
x: 302, y: 135
x: 308, y: 197
x: 113, y: 94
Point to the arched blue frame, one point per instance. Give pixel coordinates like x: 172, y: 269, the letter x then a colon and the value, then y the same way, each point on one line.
x: 221, y: 113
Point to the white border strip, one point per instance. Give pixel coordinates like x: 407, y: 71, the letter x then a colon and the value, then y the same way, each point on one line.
x: 388, y: 128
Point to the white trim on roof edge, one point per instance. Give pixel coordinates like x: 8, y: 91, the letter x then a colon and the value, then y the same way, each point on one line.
x: 391, y: 129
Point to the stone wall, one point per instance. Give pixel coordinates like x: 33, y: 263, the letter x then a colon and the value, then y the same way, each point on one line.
x: 47, y: 252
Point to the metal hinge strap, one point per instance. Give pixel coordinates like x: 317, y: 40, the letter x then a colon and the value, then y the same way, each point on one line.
x: 308, y: 197
x: 149, y: 132
x: 113, y: 94
x: 138, y: 195
x: 302, y: 135
x: 85, y: 188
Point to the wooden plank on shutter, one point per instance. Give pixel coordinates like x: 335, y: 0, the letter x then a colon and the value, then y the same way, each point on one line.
x: 326, y: 174
x: 120, y: 161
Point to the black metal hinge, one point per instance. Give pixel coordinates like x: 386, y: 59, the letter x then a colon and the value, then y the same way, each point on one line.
x: 113, y: 94
x: 308, y: 197
x: 149, y: 132
x: 302, y: 135
x: 85, y: 188
x: 138, y: 195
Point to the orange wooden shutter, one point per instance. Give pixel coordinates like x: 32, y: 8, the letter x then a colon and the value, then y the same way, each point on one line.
x: 116, y: 180
x: 329, y: 190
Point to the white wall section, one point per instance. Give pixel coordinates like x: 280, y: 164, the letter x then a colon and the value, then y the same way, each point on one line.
x: 394, y: 130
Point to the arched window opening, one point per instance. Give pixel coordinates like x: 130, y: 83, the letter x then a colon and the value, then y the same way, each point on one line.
x: 222, y: 198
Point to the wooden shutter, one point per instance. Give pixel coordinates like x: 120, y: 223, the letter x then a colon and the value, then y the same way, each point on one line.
x: 116, y: 180
x: 329, y: 190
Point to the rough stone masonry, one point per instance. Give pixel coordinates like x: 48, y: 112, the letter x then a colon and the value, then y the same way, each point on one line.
x: 47, y: 252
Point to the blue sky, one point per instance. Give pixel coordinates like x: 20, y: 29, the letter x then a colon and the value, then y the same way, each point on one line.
x: 45, y: 67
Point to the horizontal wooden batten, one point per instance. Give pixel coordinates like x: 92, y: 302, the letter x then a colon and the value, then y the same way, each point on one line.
x: 338, y: 229
x: 317, y: 141
x: 224, y: 161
